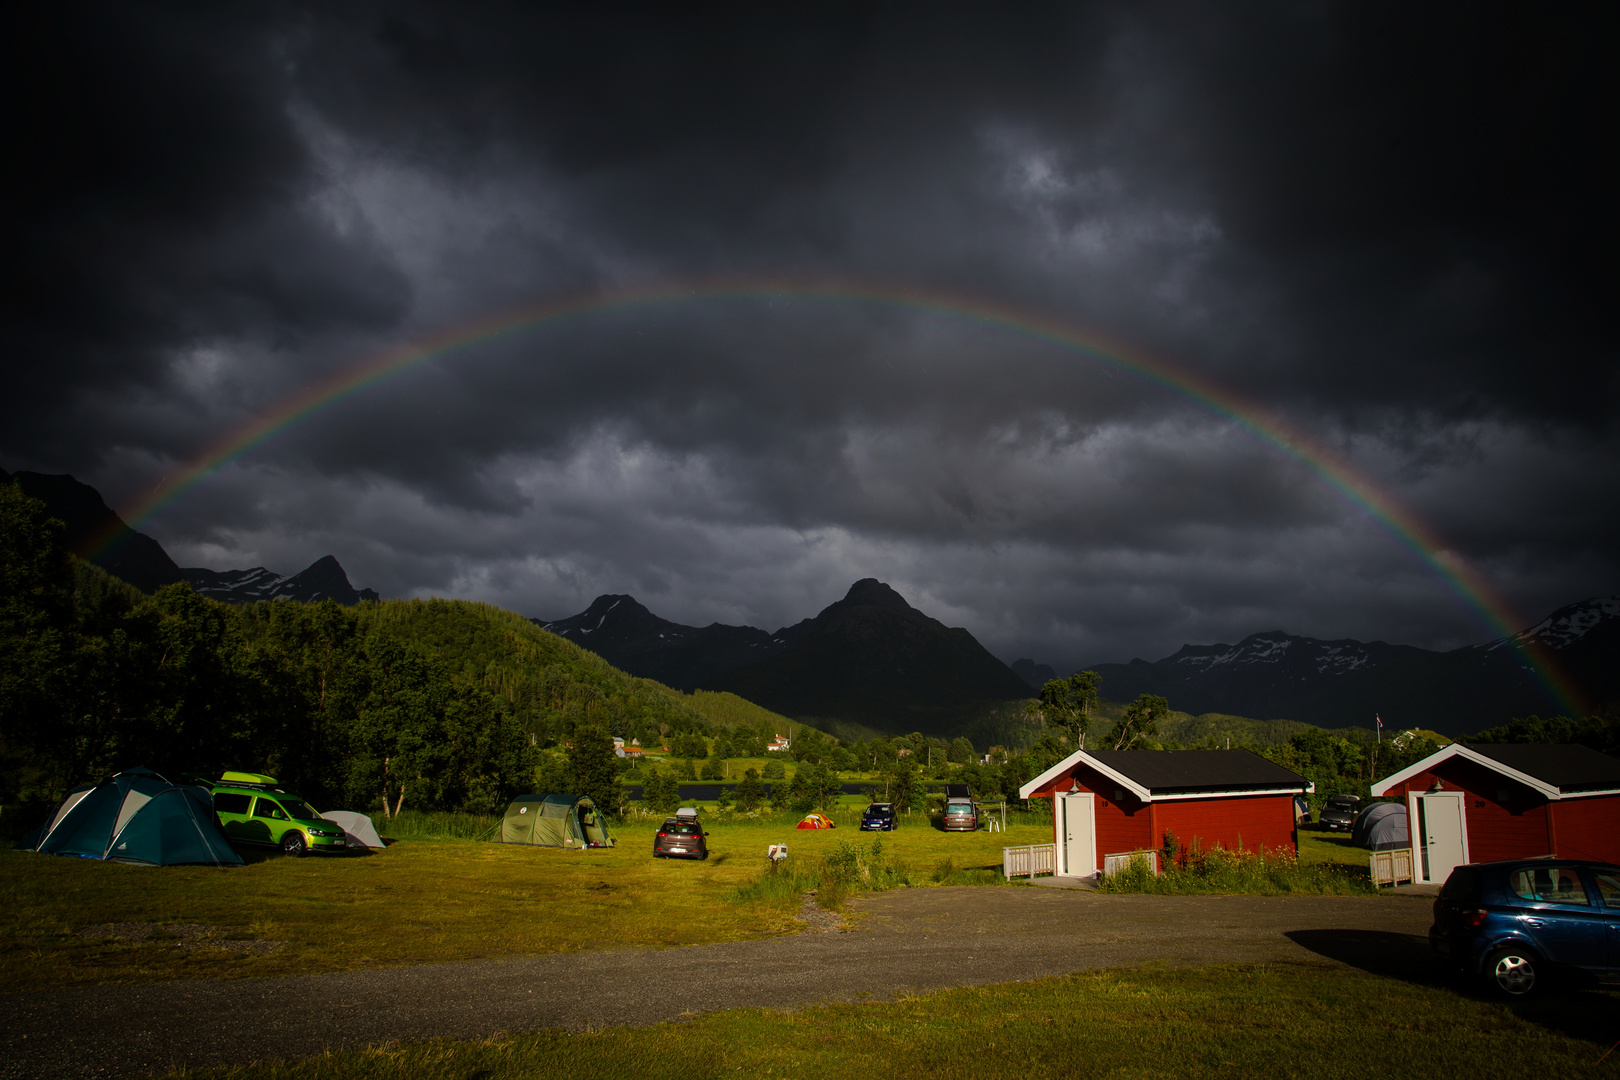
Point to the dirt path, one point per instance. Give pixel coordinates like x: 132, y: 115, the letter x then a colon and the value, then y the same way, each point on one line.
x: 912, y: 940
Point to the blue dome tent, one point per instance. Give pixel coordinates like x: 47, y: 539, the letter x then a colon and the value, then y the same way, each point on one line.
x: 1381, y: 826
x: 137, y: 817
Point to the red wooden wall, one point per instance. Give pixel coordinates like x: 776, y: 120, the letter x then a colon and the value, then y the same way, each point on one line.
x: 1243, y: 822
x: 1588, y: 828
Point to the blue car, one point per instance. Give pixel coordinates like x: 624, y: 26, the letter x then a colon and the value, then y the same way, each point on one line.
x: 878, y: 817
x: 1513, y: 923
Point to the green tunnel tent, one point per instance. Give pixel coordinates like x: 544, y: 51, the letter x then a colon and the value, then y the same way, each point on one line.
x: 138, y: 817
x: 570, y: 821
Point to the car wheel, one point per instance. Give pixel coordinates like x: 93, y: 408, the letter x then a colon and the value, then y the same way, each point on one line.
x: 293, y: 845
x: 1512, y: 972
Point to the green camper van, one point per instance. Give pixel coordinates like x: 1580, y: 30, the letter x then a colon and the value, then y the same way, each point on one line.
x: 253, y: 810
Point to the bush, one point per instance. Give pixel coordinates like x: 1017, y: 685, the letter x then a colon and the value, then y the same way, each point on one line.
x: 845, y: 871
x: 1218, y: 870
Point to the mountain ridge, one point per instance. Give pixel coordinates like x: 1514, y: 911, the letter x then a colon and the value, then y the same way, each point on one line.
x: 869, y: 659
x: 96, y: 533
x: 1274, y: 675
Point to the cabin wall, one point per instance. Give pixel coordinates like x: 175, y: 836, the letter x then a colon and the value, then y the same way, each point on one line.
x: 1237, y: 823
x: 1588, y: 828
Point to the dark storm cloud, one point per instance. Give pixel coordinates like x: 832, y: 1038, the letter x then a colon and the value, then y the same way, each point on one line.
x: 1389, y: 225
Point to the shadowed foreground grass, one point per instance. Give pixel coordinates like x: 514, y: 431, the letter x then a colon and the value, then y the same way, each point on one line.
x: 1230, y: 1021
x: 429, y: 899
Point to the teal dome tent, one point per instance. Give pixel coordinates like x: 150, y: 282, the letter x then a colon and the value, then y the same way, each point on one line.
x: 137, y: 817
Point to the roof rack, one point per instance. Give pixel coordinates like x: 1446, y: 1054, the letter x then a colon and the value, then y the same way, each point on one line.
x: 254, y: 781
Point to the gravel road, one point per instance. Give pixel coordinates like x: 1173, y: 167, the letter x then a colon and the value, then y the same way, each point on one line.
x: 910, y: 940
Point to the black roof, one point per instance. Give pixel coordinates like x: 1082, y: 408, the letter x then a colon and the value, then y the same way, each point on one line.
x: 1567, y: 767
x: 1166, y: 772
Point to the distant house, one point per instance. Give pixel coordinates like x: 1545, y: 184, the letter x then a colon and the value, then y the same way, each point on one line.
x: 1107, y: 802
x: 634, y: 753
x: 779, y: 745
x: 1490, y: 801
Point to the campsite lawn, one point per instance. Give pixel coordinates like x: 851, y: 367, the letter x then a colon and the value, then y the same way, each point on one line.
x: 420, y: 901
x: 1331, y: 847
x: 1280, y: 1020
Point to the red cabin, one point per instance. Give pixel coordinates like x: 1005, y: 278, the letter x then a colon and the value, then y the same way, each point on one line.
x: 1107, y: 802
x: 1493, y: 801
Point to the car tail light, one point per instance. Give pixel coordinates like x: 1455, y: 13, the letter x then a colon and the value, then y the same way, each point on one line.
x: 1475, y: 918
x: 662, y: 834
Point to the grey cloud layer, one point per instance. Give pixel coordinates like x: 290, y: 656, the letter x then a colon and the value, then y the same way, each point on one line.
x: 1386, y: 225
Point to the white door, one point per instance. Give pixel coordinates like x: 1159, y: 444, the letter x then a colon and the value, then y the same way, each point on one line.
x: 1077, y: 848
x: 1441, y: 839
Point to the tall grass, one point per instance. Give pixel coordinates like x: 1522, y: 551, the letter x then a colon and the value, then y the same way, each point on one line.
x: 437, y: 825
x: 848, y: 869
x: 1218, y: 870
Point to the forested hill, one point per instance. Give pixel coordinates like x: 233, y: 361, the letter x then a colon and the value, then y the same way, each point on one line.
x: 456, y: 704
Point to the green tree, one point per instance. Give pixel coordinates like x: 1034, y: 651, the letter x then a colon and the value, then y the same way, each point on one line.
x: 39, y: 714
x: 714, y: 769
x: 1139, y: 725
x: 1067, y: 704
x: 750, y: 792
x: 961, y: 751
x: 594, y: 767
x: 660, y: 791
x: 774, y: 769
x: 905, y: 786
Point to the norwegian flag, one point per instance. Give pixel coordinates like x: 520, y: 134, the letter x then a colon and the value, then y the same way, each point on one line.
x: 1380, y: 721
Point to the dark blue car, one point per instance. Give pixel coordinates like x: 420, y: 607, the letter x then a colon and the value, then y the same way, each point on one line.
x: 878, y: 817
x: 1512, y: 923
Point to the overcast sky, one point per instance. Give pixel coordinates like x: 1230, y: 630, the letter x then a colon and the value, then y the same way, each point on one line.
x: 1392, y: 225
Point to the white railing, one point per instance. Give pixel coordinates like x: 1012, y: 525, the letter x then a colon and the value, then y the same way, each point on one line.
x: 1390, y: 867
x: 1113, y: 864
x: 1028, y: 861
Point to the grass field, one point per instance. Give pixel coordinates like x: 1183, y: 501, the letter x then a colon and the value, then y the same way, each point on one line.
x: 1308, y: 1021
x: 426, y: 899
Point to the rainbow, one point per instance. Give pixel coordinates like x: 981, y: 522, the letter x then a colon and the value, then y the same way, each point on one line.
x: 1267, y: 428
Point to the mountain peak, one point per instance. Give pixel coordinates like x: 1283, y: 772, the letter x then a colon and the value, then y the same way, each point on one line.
x: 323, y: 579
x: 870, y: 592
x: 1568, y: 624
x: 96, y: 533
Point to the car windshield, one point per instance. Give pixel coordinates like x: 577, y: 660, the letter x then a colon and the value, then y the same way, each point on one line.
x: 959, y: 808
x: 681, y: 828
x: 1341, y: 806
x: 879, y: 809
x: 299, y: 809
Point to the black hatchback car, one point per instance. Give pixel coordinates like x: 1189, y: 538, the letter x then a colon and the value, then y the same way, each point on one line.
x: 680, y: 838
x: 878, y: 817
x: 1511, y: 923
x: 1339, y: 813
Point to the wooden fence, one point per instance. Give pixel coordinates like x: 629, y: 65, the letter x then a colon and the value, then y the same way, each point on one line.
x: 1390, y: 867
x: 1113, y: 864
x: 1029, y: 861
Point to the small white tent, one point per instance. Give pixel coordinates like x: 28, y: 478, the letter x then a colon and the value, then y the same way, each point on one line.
x: 356, y: 827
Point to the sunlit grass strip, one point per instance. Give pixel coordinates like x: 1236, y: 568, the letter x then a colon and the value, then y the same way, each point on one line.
x: 1308, y: 1021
